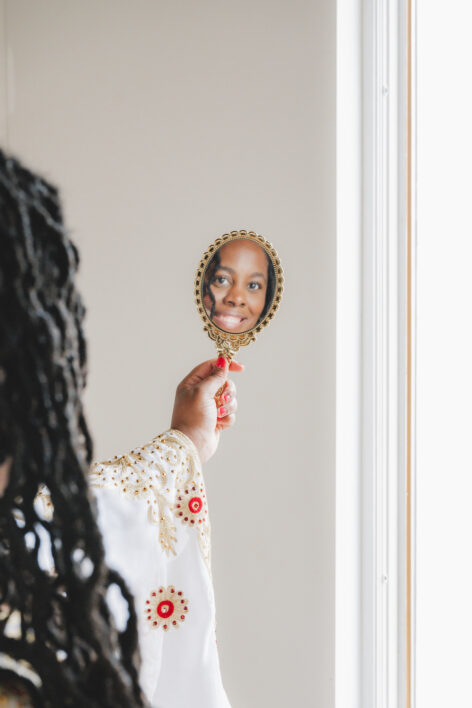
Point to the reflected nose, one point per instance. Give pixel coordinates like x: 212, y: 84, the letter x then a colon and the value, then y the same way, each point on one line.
x: 234, y: 296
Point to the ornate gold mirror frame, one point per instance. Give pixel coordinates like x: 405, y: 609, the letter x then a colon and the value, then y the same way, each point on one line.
x: 228, y: 343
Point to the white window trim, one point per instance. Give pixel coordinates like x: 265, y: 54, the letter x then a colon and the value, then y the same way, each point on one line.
x: 348, y: 359
x: 374, y: 307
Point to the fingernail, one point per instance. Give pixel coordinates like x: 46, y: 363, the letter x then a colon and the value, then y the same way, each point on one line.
x: 221, y: 412
x: 221, y: 362
x: 226, y: 398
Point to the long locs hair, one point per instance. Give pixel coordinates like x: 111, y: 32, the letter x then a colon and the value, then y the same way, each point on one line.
x: 63, y: 630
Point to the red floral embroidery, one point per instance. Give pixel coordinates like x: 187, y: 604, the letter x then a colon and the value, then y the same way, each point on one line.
x: 166, y: 608
x: 195, y: 505
x: 190, y: 506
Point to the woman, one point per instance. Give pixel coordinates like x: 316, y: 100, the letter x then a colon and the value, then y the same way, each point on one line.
x: 70, y: 629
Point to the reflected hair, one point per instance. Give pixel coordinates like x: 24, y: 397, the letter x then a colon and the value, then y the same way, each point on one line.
x: 64, y: 632
x: 209, y: 278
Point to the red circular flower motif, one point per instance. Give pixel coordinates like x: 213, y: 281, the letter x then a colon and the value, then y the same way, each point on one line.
x: 165, y: 609
x: 191, y: 505
x: 195, y: 505
x: 160, y: 608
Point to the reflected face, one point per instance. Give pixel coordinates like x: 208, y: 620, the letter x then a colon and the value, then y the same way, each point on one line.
x: 236, y: 282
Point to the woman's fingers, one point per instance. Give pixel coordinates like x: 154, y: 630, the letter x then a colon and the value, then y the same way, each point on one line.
x: 226, y: 422
x: 199, y: 373
x: 202, y: 371
x: 228, y: 408
x: 195, y: 403
x: 236, y: 366
x: 231, y: 388
x: 228, y: 393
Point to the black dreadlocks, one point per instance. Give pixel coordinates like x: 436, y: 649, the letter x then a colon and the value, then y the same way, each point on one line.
x: 66, y: 635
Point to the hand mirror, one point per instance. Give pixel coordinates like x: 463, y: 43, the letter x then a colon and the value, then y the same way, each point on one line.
x: 238, y: 288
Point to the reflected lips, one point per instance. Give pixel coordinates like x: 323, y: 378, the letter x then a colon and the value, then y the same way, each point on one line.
x: 228, y: 321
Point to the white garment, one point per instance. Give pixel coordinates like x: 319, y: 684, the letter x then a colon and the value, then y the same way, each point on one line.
x: 153, y: 516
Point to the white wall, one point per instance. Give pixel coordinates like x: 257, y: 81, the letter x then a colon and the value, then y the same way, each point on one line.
x: 167, y: 124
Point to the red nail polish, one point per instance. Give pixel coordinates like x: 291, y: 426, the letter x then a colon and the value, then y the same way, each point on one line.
x: 227, y: 397
x: 221, y: 362
x: 222, y: 412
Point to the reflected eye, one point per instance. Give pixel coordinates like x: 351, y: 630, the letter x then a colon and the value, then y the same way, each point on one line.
x: 257, y: 286
x: 220, y: 280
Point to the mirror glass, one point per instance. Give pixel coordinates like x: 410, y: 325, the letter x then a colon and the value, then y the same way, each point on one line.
x: 238, y: 286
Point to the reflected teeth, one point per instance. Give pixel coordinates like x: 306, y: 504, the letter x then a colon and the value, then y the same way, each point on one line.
x: 228, y: 322
x: 229, y: 319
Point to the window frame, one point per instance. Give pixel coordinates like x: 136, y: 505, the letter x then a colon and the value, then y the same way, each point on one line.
x: 375, y: 344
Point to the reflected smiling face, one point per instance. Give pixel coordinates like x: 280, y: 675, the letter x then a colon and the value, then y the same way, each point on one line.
x: 238, y: 285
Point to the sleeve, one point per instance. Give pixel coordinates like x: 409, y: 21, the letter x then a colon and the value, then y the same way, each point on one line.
x: 153, y: 516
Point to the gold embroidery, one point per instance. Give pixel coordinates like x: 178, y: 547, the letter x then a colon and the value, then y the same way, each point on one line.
x: 142, y: 474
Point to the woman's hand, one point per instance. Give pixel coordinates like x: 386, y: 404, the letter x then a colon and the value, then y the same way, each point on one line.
x: 196, y: 413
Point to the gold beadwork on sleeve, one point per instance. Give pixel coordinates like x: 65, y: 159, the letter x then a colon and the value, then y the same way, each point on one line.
x: 145, y: 473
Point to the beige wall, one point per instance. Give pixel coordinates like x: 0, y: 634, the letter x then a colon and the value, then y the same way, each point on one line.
x: 167, y: 124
